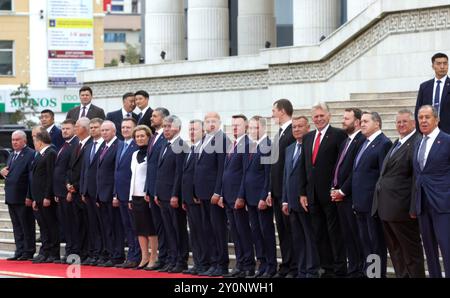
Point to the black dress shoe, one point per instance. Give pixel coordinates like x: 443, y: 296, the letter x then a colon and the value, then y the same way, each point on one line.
x: 141, y: 267
x: 166, y: 268
x: 52, y: 260
x: 108, y: 264
x: 15, y: 258
x: 25, y: 258
x: 39, y: 259
x: 245, y: 274
x: 177, y: 269
x: 268, y: 275
x: 130, y: 265
x: 155, y: 266
x: 191, y: 271
x: 280, y: 274
x: 220, y: 272
x: 207, y: 272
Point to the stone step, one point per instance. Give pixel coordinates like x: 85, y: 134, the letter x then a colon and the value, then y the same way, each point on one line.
x: 385, y: 95
x: 368, y: 104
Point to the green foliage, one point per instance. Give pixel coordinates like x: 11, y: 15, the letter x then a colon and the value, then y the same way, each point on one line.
x: 131, y: 55
x: 114, y: 62
x: 21, y: 98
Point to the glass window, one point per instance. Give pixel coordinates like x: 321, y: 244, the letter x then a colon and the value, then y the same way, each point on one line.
x: 115, y: 37
x: 6, y: 58
x: 117, y: 8
x: 5, y: 4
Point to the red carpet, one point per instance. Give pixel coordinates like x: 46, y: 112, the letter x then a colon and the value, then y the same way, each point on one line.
x: 29, y: 270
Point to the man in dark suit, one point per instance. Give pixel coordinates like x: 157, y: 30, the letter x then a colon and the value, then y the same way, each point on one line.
x: 88, y: 190
x: 256, y: 187
x: 207, y: 188
x: 304, y: 243
x: 129, y: 104
x: 191, y: 204
x: 48, y: 122
x: 16, y: 174
x: 144, y: 117
x: 65, y: 209
x: 392, y: 201
x: 112, y: 229
x: 432, y: 204
x: 122, y: 180
x: 157, y: 141
x: 341, y: 192
x: 436, y: 92
x: 320, y: 152
x: 366, y: 170
x: 282, y: 111
x: 86, y: 109
x: 168, y: 195
x: 232, y: 187
x: 41, y: 193
x: 77, y: 217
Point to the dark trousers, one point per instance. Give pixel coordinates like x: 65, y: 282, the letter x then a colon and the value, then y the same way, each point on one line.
x: 305, y: 248
x: 242, y: 237
x: 94, y: 230
x: 349, y: 228
x: 288, y: 261
x: 80, y: 238
x: 112, y: 232
x: 174, y: 220
x: 215, y: 231
x: 163, y: 249
x: 263, y: 234
x: 434, y: 228
x: 198, y: 243
x: 372, y: 238
x: 66, y: 219
x: 327, y: 231
x: 405, y: 248
x: 24, y: 229
x: 49, y: 230
x: 134, y: 250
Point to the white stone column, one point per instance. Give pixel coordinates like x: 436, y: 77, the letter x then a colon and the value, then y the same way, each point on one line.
x: 314, y: 19
x: 354, y: 7
x: 164, y: 30
x: 208, y: 29
x: 256, y: 25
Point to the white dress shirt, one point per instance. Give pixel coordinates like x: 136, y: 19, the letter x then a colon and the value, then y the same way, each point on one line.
x: 87, y: 110
x: 138, y: 175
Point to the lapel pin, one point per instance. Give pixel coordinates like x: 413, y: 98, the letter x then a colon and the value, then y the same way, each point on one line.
x: 438, y: 142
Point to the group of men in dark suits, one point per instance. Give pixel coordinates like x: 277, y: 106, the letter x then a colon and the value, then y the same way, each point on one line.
x: 340, y: 197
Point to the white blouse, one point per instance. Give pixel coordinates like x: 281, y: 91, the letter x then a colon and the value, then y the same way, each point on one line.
x: 138, y: 175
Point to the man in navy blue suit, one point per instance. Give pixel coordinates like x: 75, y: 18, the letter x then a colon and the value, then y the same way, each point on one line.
x: 16, y: 174
x: 112, y: 230
x: 191, y: 204
x: 341, y: 192
x: 304, y: 243
x: 168, y: 195
x: 207, y: 188
x: 432, y: 193
x: 366, y: 170
x: 145, y: 115
x: 88, y: 189
x: 232, y: 187
x: 77, y: 217
x: 256, y: 186
x: 65, y: 209
x: 122, y: 180
x: 48, y: 122
x: 157, y: 141
x: 436, y: 92
x: 129, y: 104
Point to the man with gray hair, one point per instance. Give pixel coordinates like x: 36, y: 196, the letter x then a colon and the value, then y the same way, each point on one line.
x: 16, y: 174
x: 168, y: 195
x: 393, y: 198
x: 366, y: 170
x: 320, y: 152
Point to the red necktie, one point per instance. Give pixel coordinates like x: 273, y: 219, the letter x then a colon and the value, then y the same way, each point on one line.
x: 316, y: 148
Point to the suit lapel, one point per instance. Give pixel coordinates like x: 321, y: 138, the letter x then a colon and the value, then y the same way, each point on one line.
x: 369, y: 148
x: 434, y: 150
x: 445, y: 92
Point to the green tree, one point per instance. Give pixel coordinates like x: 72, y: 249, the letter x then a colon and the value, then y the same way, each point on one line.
x: 131, y: 54
x: 25, y: 107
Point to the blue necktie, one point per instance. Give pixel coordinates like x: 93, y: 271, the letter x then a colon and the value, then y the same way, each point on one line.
x: 296, y: 154
x: 91, y: 157
x: 363, y: 148
x: 397, y: 146
x: 437, y: 94
x: 422, y: 149
x: 125, y: 147
x: 139, y: 116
